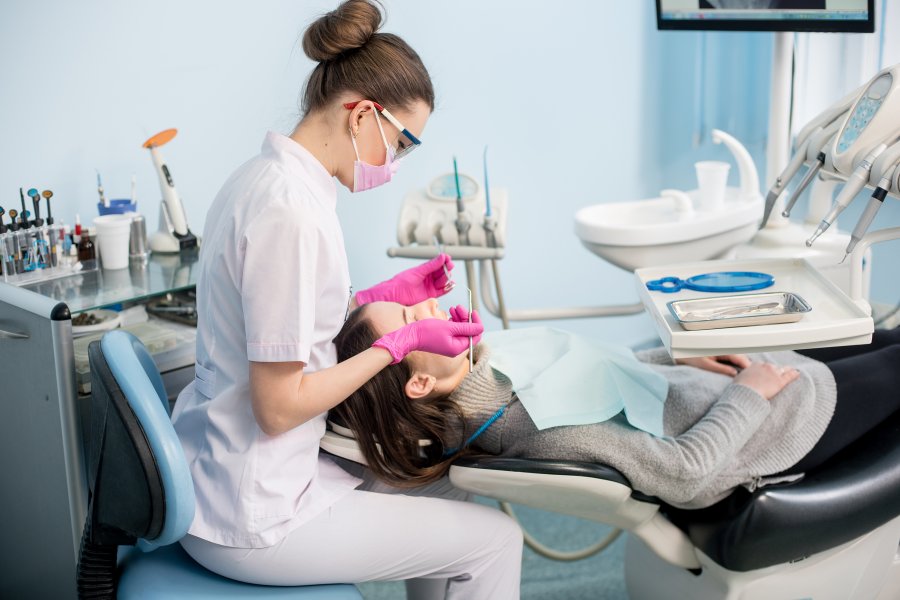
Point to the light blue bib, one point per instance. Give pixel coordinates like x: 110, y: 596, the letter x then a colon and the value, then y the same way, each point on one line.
x: 565, y: 379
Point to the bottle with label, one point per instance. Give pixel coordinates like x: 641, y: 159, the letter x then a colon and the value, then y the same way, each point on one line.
x: 87, y: 254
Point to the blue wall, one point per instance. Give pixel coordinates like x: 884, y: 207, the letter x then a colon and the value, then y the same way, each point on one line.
x: 580, y: 102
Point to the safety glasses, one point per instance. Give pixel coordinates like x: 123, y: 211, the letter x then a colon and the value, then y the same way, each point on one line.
x: 406, y: 143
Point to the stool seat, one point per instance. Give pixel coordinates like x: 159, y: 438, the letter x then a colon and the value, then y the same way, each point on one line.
x: 169, y: 572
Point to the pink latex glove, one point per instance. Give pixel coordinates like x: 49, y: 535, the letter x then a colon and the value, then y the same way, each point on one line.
x: 460, y: 314
x: 448, y: 338
x: 412, y: 286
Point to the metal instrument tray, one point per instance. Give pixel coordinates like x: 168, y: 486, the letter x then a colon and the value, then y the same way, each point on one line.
x: 739, y: 310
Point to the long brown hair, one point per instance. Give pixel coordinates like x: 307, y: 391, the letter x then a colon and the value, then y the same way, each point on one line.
x: 354, y: 57
x: 382, y: 416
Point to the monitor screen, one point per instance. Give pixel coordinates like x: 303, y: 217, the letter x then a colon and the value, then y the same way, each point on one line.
x: 767, y: 15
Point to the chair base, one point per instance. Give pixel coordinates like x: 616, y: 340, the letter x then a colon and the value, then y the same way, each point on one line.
x: 169, y: 572
x: 867, y: 567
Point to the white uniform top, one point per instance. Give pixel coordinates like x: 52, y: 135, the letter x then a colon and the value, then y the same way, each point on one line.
x: 273, y: 286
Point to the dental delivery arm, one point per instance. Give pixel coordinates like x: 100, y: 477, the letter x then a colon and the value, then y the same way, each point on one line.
x: 829, y: 119
x: 283, y: 396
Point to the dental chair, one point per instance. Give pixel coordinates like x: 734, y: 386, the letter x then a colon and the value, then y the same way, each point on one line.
x: 141, y: 492
x: 832, y: 535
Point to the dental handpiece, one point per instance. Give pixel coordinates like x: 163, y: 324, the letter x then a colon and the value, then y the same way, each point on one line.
x: 854, y: 184
x: 875, y: 204
x: 818, y: 141
x: 783, y: 179
x: 810, y: 174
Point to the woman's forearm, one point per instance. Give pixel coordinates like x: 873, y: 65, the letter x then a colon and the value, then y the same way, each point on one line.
x: 680, y: 467
x: 284, y: 397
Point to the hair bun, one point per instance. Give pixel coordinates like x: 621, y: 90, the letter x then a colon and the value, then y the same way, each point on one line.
x: 347, y: 27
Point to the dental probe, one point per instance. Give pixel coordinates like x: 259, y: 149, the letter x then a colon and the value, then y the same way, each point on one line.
x: 857, y: 180
x: 875, y: 203
x: 471, y: 344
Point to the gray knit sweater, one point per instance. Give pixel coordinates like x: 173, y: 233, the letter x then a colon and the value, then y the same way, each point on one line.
x: 718, y: 434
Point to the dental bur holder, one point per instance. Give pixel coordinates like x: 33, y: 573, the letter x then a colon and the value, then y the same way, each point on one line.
x: 30, y: 254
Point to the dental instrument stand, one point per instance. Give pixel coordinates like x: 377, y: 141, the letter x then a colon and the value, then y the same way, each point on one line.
x: 498, y: 308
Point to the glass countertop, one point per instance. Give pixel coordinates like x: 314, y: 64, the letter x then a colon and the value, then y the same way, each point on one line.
x: 162, y: 274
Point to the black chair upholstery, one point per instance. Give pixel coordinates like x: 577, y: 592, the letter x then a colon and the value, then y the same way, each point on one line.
x: 855, y: 492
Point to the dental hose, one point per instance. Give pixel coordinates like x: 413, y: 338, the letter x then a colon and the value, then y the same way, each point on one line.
x: 560, y: 555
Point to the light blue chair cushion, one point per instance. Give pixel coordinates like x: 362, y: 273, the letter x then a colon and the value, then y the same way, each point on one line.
x: 142, y: 386
x: 168, y: 572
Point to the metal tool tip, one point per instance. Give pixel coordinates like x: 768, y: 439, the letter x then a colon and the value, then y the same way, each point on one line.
x: 785, y: 213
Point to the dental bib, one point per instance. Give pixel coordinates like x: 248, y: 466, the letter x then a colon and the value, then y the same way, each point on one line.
x: 565, y: 379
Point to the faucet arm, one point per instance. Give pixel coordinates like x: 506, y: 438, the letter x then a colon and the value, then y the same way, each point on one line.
x: 746, y: 166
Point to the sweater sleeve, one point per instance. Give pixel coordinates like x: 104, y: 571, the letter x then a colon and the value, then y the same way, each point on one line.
x: 655, y: 356
x: 675, y: 469
x: 679, y: 468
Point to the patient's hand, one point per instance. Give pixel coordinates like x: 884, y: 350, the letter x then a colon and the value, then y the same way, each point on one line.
x: 766, y: 379
x: 726, y: 364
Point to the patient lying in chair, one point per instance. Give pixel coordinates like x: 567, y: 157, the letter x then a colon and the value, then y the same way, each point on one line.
x: 737, y: 420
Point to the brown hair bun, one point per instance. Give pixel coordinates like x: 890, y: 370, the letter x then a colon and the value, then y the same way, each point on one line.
x: 347, y: 27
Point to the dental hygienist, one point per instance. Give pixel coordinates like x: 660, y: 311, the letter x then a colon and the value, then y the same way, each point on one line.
x: 273, y: 291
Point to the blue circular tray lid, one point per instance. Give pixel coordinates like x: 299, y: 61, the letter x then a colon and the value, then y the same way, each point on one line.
x: 720, y: 282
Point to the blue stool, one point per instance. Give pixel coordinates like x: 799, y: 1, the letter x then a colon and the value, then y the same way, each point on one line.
x: 141, y: 493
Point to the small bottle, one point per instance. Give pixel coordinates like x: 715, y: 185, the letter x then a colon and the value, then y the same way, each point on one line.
x: 87, y: 254
x: 76, y: 236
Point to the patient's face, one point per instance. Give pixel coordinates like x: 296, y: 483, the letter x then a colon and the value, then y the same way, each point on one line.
x: 390, y: 316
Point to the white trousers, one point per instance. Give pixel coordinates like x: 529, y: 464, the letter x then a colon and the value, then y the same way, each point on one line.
x: 371, y: 536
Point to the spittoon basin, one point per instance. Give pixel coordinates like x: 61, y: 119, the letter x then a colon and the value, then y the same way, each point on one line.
x: 657, y: 231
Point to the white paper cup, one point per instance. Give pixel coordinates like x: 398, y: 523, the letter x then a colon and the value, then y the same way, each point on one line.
x: 712, y: 179
x: 113, y: 232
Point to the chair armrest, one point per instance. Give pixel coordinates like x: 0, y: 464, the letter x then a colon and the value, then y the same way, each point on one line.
x: 594, y: 492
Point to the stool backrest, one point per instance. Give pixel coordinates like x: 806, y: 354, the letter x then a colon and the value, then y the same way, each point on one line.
x: 139, y: 382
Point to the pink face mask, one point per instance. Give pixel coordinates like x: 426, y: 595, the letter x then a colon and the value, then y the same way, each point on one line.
x: 366, y: 176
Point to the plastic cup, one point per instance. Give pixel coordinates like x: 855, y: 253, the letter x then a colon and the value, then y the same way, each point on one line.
x: 113, y: 232
x: 712, y: 179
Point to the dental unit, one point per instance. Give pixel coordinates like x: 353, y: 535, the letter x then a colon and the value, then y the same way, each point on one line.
x: 748, y: 553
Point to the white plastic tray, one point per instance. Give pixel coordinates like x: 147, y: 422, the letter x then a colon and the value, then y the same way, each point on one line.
x: 835, y: 320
